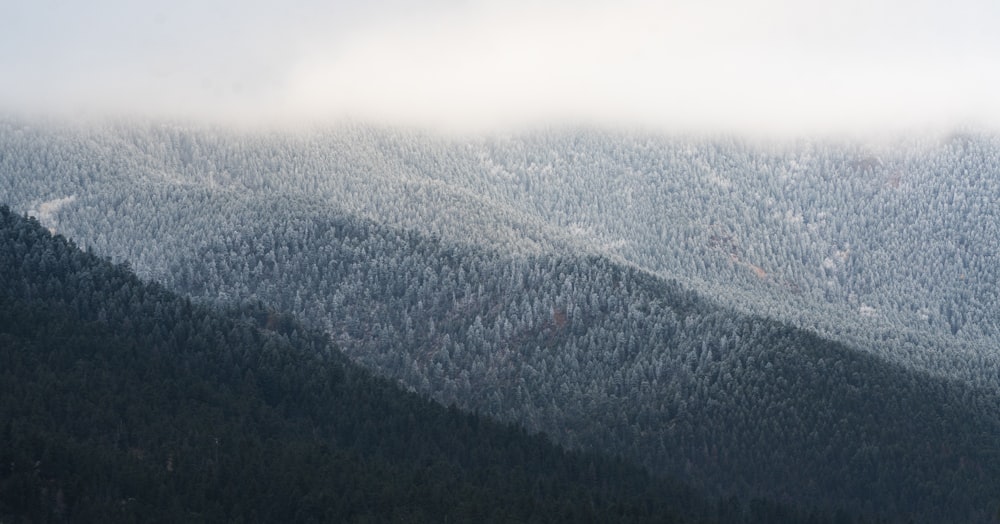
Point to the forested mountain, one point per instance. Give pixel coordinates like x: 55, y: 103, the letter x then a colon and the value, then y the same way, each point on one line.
x: 891, y: 247
x: 607, y: 357
x: 815, y: 323
x: 122, y: 402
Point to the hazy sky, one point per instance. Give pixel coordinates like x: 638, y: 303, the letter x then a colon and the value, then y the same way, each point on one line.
x: 704, y: 64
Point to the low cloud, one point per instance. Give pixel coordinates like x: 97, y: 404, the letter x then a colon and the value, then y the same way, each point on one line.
x: 762, y: 65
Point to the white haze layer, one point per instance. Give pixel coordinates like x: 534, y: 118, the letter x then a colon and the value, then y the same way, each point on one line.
x: 753, y: 65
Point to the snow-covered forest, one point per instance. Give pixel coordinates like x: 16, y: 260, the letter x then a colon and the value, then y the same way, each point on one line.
x: 892, y: 247
x: 741, y: 314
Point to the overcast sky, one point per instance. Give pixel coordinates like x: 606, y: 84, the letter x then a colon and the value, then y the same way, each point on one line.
x: 703, y: 64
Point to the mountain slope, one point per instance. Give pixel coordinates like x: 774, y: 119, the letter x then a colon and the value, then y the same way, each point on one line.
x: 606, y: 357
x: 890, y: 247
x: 123, y: 402
x: 647, y: 296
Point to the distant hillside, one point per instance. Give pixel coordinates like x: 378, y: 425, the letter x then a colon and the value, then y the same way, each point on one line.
x: 890, y: 247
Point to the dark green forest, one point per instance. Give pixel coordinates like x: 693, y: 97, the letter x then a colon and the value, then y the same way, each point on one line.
x: 122, y: 402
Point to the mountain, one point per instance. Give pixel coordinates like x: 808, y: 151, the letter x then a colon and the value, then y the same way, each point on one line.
x: 125, y: 402
x: 607, y: 357
x: 889, y: 246
x: 766, y: 321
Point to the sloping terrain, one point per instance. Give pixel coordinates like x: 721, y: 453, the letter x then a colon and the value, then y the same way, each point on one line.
x: 637, y: 295
x: 122, y: 402
x: 610, y: 358
x: 890, y: 247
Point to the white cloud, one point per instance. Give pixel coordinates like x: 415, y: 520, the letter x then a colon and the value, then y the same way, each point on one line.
x: 710, y: 64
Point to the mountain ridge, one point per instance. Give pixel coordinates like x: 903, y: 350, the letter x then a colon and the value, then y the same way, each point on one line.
x: 124, y: 402
x: 327, y: 227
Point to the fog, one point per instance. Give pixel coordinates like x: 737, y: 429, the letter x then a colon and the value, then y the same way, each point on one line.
x: 756, y: 65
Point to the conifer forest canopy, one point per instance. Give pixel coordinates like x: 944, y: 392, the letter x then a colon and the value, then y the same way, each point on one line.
x: 811, y: 322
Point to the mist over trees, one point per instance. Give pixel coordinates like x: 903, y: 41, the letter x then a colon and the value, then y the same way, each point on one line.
x: 814, y: 322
